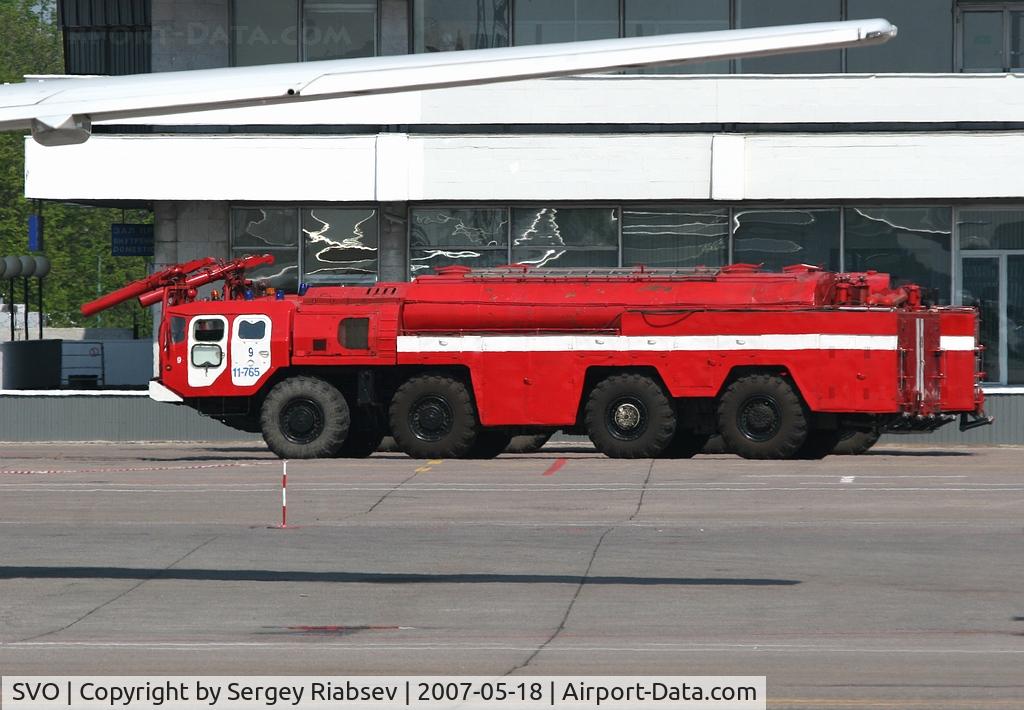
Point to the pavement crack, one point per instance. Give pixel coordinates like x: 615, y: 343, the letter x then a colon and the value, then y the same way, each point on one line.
x: 643, y: 491
x: 568, y: 609
x: 155, y: 575
x: 386, y: 495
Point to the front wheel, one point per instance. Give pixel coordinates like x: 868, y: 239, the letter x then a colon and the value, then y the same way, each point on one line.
x: 762, y: 417
x: 433, y: 417
x: 630, y: 417
x: 304, y: 418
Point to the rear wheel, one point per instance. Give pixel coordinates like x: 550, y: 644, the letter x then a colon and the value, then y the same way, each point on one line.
x: 819, y: 444
x: 685, y: 445
x: 433, y: 416
x: 364, y: 437
x: 527, y: 443
x: 629, y: 417
x: 489, y: 444
x: 761, y: 417
x: 304, y: 418
x: 852, y: 443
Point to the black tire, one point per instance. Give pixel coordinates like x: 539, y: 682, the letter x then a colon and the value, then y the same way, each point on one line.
x: 528, y: 443
x: 762, y: 417
x: 304, y: 418
x: 853, y: 443
x: 489, y: 444
x: 819, y: 444
x: 685, y: 445
x: 630, y: 417
x: 362, y: 440
x: 433, y: 417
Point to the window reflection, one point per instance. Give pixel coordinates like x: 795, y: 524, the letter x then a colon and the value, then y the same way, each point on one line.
x: 450, y: 25
x: 982, y: 42
x: 671, y: 237
x: 782, y: 237
x: 556, y: 236
x: 980, y: 284
x: 911, y: 243
x: 339, y: 245
x: 422, y: 261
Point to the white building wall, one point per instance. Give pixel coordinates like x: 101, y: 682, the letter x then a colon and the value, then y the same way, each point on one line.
x: 396, y: 167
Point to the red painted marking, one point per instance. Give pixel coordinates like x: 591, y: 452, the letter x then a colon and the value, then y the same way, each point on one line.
x: 553, y: 468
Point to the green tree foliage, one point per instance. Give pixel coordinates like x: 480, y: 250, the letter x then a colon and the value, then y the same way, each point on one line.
x: 77, y: 237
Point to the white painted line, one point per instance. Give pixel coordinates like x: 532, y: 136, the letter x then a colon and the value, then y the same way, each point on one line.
x: 847, y: 479
x: 631, y: 343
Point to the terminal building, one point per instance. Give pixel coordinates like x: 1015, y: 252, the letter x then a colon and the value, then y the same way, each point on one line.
x: 905, y: 158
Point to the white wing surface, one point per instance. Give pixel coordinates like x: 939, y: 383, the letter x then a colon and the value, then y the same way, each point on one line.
x: 61, y: 111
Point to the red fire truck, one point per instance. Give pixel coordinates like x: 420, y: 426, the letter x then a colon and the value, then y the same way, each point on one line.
x: 647, y: 363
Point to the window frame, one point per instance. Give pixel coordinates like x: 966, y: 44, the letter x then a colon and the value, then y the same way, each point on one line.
x: 1001, y: 255
x: 958, y: 41
x: 300, y: 51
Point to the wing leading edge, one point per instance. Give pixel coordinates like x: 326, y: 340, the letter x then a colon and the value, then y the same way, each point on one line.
x: 61, y: 111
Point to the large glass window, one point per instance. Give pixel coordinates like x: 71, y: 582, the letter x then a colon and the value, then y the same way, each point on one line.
x: 564, y: 237
x: 992, y: 278
x: 332, y: 29
x: 925, y: 42
x: 675, y: 236
x: 476, y: 238
x: 911, y: 243
x: 268, y: 231
x: 991, y: 37
x: 644, y: 18
x: 778, y: 237
x: 546, y: 21
x: 764, y: 13
x: 449, y: 25
x: 106, y: 38
x: 276, y: 31
x: 265, y: 32
x: 337, y: 246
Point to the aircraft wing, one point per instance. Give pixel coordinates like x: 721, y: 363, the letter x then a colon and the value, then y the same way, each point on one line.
x: 61, y: 111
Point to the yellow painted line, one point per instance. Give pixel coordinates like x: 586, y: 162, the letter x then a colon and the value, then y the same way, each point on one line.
x: 435, y: 462
x: 423, y: 469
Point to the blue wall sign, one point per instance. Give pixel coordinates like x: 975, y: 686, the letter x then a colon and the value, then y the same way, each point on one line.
x: 131, y: 239
x: 35, y: 232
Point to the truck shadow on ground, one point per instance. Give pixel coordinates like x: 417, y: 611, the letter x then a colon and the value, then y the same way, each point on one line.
x: 257, y: 575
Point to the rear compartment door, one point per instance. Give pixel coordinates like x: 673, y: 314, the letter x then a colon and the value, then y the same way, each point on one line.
x: 920, y: 362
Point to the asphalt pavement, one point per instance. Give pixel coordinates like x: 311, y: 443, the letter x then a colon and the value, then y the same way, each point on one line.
x: 890, y: 580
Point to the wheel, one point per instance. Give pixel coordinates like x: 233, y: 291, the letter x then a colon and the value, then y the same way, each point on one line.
x: 685, y: 445
x: 761, y: 417
x: 527, y: 443
x: 304, y: 418
x: 853, y: 442
x: 819, y: 444
x: 433, y: 416
x: 489, y: 444
x: 364, y: 437
x: 629, y: 417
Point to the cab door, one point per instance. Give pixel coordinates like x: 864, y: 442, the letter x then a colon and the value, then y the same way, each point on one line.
x: 207, y: 347
x: 250, y: 349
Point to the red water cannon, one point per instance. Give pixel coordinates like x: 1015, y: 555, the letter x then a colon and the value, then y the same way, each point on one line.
x: 180, y: 283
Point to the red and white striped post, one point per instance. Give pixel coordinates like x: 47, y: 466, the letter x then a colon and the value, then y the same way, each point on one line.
x: 284, y: 496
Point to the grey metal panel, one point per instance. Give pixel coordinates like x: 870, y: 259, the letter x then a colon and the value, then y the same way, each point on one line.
x: 1008, y: 428
x: 98, y: 418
